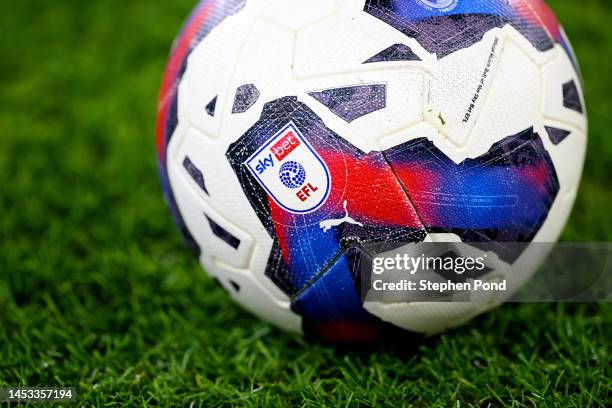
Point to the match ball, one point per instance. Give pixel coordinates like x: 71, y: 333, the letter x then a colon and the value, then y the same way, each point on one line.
x: 292, y: 135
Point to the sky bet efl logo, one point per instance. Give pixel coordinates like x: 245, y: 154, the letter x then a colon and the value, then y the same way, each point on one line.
x: 291, y: 171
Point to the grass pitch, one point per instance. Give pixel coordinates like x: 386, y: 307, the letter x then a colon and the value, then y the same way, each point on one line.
x: 97, y: 290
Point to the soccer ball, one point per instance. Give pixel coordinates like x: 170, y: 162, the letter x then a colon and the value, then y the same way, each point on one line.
x: 293, y: 133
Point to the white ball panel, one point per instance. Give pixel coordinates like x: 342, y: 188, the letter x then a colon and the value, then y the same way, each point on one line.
x: 252, y: 295
x: 454, y: 82
x: 292, y: 14
x: 341, y: 44
x: 209, y: 71
x: 195, y: 210
x: 265, y: 63
x: 569, y: 157
x: 427, y: 317
x: 555, y: 74
x: 508, y: 110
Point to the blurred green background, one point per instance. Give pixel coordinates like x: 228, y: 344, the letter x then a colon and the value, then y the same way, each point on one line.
x: 98, y: 291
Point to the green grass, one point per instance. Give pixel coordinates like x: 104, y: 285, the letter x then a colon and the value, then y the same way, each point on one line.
x: 98, y: 291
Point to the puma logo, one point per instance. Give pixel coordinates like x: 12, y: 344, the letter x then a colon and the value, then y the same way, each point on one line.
x: 329, y: 224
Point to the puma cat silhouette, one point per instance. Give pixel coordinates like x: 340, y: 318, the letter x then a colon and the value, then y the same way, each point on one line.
x: 328, y: 224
